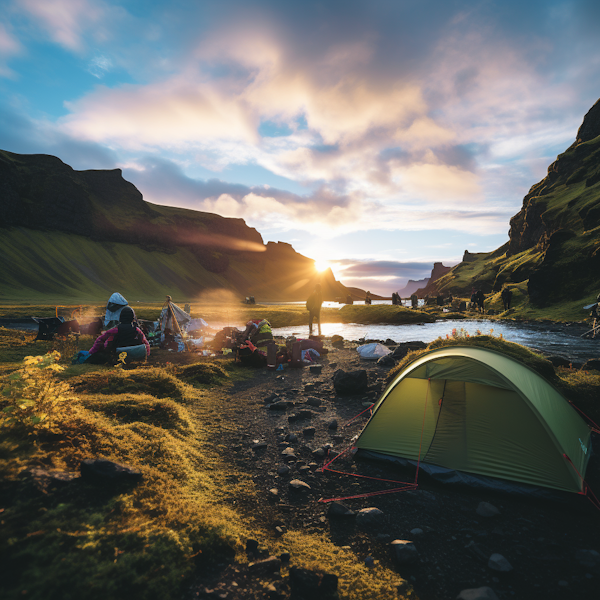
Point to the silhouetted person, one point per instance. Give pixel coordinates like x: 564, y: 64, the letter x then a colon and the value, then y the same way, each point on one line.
x: 368, y: 298
x: 480, y: 299
x: 313, y: 305
x: 506, y: 296
x: 414, y: 301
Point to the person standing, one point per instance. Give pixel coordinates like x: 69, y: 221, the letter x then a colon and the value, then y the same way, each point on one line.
x: 313, y: 305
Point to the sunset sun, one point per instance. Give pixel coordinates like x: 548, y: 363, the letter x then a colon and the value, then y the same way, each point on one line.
x: 321, y: 265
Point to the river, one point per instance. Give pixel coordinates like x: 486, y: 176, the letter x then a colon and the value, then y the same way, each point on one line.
x: 548, y: 338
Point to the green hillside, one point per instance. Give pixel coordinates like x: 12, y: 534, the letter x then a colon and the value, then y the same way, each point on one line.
x: 552, y: 260
x: 69, y: 235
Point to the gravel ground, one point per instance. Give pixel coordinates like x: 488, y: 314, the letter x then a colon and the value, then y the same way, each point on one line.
x: 540, y: 538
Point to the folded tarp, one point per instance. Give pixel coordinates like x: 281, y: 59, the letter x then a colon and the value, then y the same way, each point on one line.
x: 373, y: 351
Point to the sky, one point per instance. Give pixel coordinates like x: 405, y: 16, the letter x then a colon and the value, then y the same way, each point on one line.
x: 378, y: 135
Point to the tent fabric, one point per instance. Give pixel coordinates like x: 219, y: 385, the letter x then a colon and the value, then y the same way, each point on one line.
x: 116, y: 303
x: 166, y: 318
x: 373, y: 351
x: 477, y: 411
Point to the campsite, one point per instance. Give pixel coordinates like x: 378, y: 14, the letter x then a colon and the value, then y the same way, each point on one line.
x: 234, y: 501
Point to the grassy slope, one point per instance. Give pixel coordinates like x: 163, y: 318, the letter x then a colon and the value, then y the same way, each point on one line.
x: 145, y: 542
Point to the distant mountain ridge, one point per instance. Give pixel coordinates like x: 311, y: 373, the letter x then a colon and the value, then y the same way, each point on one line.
x: 553, y: 253
x: 68, y: 233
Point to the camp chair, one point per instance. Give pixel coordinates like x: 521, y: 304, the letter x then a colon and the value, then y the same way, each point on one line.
x: 48, y: 327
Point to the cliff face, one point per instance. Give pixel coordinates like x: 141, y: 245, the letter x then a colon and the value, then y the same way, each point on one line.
x: 554, y: 245
x: 110, y: 238
x: 438, y: 271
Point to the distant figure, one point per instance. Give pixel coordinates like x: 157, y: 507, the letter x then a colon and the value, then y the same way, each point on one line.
x: 349, y: 299
x: 480, y: 299
x: 367, y: 298
x: 187, y: 308
x: 473, y: 303
x: 396, y: 300
x: 414, y: 301
x: 125, y: 337
x: 506, y: 296
x: 313, y: 305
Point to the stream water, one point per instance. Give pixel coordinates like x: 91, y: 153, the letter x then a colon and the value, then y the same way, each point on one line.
x: 552, y: 339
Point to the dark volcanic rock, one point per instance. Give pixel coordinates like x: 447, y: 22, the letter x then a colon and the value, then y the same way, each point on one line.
x: 346, y: 384
x: 106, y: 472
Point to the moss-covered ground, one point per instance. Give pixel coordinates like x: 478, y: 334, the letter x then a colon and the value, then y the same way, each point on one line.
x: 146, y: 541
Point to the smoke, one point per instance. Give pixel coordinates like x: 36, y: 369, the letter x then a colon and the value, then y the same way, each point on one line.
x: 220, y: 308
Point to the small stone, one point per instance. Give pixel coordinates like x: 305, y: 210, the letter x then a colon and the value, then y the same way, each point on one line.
x: 289, y: 457
x: 319, y: 452
x: 416, y: 531
x: 312, y: 401
x: 333, y: 424
x: 305, y: 414
x: 368, y: 517
x: 303, y: 469
x: 404, y: 551
x: 259, y: 446
x: 300, y: 486
x: 588, y: 558
x: 499, y: 563
x: 292, y: 438
x: 482, y: 593
x: 274, y: 493
x: 370, y: 562
x: 279, y: 531
x: 265, y: 566
x: 383, y: 537
x: 485, y: 509
x: 308, y: 431
x: 251, y: 545
x: 337, y: 509
x: 281, y: 405
x: 313, y: 466
x: 284, y: 557
x: 337, y: 438
x: 283, y: 470
x: 288, y: 451
x: 271, y: 398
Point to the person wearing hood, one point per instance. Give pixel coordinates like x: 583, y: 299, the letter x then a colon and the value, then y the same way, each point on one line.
x: 116, y: 303
x: 125, y: 337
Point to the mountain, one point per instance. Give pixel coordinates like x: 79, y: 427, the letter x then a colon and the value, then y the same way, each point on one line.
x: 85, y: 234
x: 412, y: 286
x: 553, y: 252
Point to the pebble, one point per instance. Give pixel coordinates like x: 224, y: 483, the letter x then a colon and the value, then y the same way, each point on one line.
x: 337, y: 509
x: 288, y: 451
x: 312, y: 401
x: 404, y: 551
x: 291, y: 438
x: 308, y: 431
x: 368, y: 517
x: 283, y: 470
x: 298, y: 485
x: 485, y: 509
x: 259, y: 445
x: 333, y: 424
x: 416, y: 531
x: 499, y: 563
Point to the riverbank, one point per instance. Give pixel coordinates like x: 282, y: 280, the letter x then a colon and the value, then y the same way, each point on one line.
x: 214, y: 477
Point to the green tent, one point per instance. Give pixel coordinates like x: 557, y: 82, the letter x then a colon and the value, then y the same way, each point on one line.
x: 475, y: 411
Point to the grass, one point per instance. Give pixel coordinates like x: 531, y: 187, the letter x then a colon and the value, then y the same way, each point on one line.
x: 148, y: 541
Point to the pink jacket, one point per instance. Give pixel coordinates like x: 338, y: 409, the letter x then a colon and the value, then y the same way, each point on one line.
x: 103, y: 340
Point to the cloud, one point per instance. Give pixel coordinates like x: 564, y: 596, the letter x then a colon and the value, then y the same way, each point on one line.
x: 9, y: 46
x: 99, y: 66
x: 66, y: 21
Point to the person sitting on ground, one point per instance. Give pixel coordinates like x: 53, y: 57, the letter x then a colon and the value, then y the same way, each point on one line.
x: 126, y: 337
x: 313, y: 305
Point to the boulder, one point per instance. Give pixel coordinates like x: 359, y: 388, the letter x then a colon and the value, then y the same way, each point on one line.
x: 333, y: 424
x: 386, y: 361
x: 499, y: 563
x: 404, y: 551
x: 312, y: 401
x: 559, y: 361
x: 337, y: 341
x: 268, y: 565
x: 482, y: 593
x: 347, y: 384
x: 103, y: 472
x: 592, y: 365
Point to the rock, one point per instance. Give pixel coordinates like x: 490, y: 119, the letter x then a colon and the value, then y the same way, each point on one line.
x: 268, y: 565
x: 303, y: 469
x: 274, y: 493
x: 405, y: 347
x: 316, y: 369
x: 102, y: 472
x: 588, y: 558
x: 592, y: 365
x: 485, y: 509
x: 305, y: 414
x: 292, y: 438
x: 319, y: 453
x: 308, y: 431
x: 383, y: 537
x: 281, y: 405
x: 337, y: 509
x: 347, y: 384
x: 499, y: 563
x: 251, y: 545
x: 386, y: 361
x: 305, y: 583
x: 313, y: 466
x: 332, y: 365
x: 337, y: 341
x: 482, y: 593
x: 279, y: 531
x: 370, y: 562
x: 284, y: 557
x: 559, y: 361
x: 389, y: 342
x: 337, y: 438
x: 289, y: 457
x: 369, y: 517
x: 333, y: 424
x: 300, y: 486
x: 283, y: 470
x: 259, y: 446
x: 288, y: 451
x: 314, y: 401
x: 52, y: 478
x: 416, y: 531
x: 404, y: 551
x: 271, y: 398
